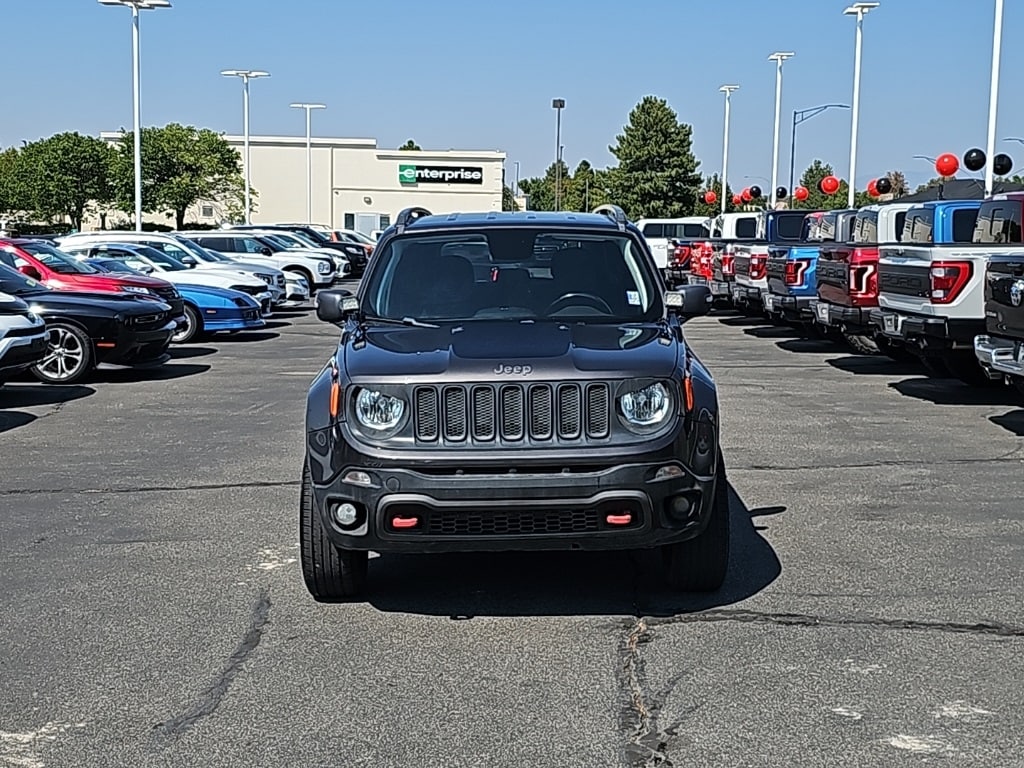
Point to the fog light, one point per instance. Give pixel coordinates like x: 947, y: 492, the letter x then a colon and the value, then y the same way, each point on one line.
x: 345, y: 514
x: 355, y: 477
x: 681, y: 507
x: 668, y: 472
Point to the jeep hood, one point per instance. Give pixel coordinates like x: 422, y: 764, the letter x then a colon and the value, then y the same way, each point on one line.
x: 485, y: 351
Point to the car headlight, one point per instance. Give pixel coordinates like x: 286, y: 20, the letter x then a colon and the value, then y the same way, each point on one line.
x: 135, y: 289
x: 379, y: 412
x: 646, y: 410
x: 323, y: 267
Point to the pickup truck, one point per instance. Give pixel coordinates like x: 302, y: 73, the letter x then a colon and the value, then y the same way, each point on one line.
x: 792, y: 270
x: 931, y: 287
x: 1000, y: 350
x: 751, y: 257
x: 660, y: 232
x: 705, y: 262
x: 847, y: 278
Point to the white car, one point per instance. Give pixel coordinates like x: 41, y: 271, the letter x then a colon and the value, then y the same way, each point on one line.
x: 298, y: 241
x: 150, y: 261
x: 188, y: 253
x: 23, y: 335
x: 318, y: 268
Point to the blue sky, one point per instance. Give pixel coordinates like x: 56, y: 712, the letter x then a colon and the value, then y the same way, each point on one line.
x: 468, y: 74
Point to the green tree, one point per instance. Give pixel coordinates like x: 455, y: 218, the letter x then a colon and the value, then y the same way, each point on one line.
x: 540, y: 190
x: 657, y: 174
x: 410, y: 146
x: 713, y: 209
x: 181, y: 165
x: 818, y: 200
x: 10, y: 190
x: 63, y: 176
x: 508, y: 199
x: 586, y: 188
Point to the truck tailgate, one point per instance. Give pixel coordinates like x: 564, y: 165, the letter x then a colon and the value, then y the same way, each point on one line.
x: 905, y: 280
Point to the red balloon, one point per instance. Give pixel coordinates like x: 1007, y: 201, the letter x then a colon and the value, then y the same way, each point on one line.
x: 830, y: 185
x: 947, y: 164
x: 745, y: 194
x: 710, y: 197
x: 873, y: 187
x: 801, y: 193
x: 736, y: 199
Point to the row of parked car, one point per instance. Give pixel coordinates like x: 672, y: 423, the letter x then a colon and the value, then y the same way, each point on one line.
x: 70, y: 304
x: 939, y: 280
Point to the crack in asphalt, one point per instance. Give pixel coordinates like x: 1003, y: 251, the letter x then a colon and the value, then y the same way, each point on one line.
x: 992, y: 629
x: 154, y: 488
x: 208, y: 701
x: 1010, y: 458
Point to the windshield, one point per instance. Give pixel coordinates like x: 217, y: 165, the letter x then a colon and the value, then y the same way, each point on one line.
x: 197, y: 250
x: 301, y: 238
x: 361, y: 238
x: 865, y: 228
x: 58, y: 261
x: 16, y: 284
x: 114, y: 265
x: 279, y: 242
x: 517, y: 274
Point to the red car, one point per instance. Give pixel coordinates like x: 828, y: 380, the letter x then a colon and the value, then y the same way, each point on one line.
x: 55, y: 269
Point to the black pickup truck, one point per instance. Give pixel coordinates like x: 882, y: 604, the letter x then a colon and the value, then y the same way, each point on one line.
x: 1000, y: 350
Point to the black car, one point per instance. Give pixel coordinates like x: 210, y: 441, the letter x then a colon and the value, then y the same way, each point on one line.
x: 357, y: 254
x: 512, y: 381
x: 93, y: 330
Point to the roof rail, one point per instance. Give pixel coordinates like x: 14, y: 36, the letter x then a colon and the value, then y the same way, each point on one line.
x: 615, y: 213
x: 408, y: 215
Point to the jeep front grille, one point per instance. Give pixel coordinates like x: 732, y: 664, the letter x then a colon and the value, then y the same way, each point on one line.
x: 511, y: 413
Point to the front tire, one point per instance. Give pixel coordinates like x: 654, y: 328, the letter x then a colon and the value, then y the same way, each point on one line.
x: 69, y: 355
x: 862, y: 345
x: 700, y: 564
x: 330, y: 574
x: 193, y: 327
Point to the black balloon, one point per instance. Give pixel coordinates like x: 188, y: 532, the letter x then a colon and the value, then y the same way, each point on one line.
x: 974, y: 159
x: 780, y: 193
x: 884, y: 186
x: 820, y: 189
x: 1002, y: 165
x: 755, y: 192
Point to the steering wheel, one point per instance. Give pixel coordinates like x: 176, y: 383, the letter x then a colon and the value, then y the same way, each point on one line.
x: 569, y: 299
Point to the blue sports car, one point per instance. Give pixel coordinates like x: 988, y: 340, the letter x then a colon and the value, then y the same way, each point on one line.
x: 207, y: 309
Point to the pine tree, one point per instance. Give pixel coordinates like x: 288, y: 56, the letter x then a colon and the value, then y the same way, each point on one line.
x: 713, y: 209
x: 657, y: 173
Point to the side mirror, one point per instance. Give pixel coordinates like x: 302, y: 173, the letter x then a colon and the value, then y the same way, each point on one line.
x: 689, y: 301
x: 188, y: 261
x: 335, y: 306
x: 29, y: 271
x: 266, y: 251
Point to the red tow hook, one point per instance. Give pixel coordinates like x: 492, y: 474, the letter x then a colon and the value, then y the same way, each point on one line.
x: 404, y: 523
x: 624, y: 519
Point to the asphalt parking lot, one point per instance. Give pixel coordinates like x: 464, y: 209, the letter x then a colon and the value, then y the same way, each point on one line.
x: 154, y: 613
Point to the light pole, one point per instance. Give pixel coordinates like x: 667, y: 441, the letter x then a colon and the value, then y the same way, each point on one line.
x: 778, y: 57
x: 727, y: 90
x: 558, y: 105
x: 800, y: 116
x: 517, y: 179
x: 246, y: 75
x: 993, y: 98
x: 309, y: 155
x: 858, y: 10
x: 136, y: 6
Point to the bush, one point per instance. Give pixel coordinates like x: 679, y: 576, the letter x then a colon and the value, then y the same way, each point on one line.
x: 146, y: 227
x: 20, y: 229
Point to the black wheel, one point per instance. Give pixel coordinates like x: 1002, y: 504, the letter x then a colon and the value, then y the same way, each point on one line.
x: 700, y: 564
x: 936, y: 367
x: 1017, y: 382
x: 305, y: 273
x: 193, y: 327
x: 69, y: 355
x: 331, y: 574
x: 862, y: 345
x: 964, y: 365
x: 895, y: 351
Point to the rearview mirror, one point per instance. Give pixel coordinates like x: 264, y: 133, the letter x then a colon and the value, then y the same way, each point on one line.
x: 29, y: 271
x: 335, y: 306
x: 689, y: 301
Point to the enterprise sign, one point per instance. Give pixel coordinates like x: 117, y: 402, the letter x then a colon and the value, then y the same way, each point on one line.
x: 440, y: 174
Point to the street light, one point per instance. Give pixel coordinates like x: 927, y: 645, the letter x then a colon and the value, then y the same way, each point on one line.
x: 727, y: 90
x: 858, y: 10
x: 778, y: 57
x: 925, y: 157
x: 246, y: 75
x: 309, y: 155
x: 558, y: 105
x: 136, y: 6
x: 1012, y: 138
x: 800, y: 116
x: 516, y: 193
x: 993, y: 98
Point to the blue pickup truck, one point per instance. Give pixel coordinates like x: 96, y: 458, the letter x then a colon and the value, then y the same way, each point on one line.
x: 792, y: 269
x: 774, y: 228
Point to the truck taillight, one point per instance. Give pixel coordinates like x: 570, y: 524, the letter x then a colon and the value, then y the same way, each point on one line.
x: 681, y: 255
x: 758, y: 266
x: 948, y: 279
x: 728, y: 264
x: 796, y: 269
x: 864, y: 280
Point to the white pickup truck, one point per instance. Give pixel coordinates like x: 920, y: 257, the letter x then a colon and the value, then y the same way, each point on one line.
x: 658, y: 233
x: 931, y: 285
x: 774, y: 228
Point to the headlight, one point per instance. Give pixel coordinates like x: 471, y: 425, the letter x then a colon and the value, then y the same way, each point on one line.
x: 323, y: 267
x: 135, y: 289
x: 645, y: 410
x: 377, y: 411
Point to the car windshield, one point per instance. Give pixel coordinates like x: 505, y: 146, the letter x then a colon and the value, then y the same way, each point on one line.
x: 515, y: 274
x: 165, y: 261
x: 58, y: 261
x: 359, y: 237
x: 113, y: 265
x: 301, y: 238
x: 197, y: 250
x: 279, y: 242
x: 16, y: 284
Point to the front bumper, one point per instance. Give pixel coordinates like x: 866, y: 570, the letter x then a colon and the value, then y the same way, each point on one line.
x: 133, y: 348
x: 999, y: 356
x: 19, y: 353
x: 925, y: 331
x: 566, y: 508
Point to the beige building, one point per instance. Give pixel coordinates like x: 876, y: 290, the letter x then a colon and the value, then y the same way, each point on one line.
x: 356, y: 184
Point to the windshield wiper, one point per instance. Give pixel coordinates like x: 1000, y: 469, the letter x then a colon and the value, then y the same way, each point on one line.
x: 408, y: 321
